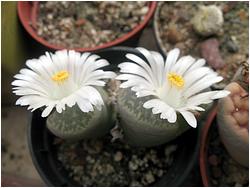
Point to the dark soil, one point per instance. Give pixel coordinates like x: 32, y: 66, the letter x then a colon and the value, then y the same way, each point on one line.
x: 102, y: 163
x: 223, y: 170
x: 87, y: 24
x: 176, y: 30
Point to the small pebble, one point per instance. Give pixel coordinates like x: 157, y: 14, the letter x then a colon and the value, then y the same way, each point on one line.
x: 213, y: 160
x: 132, y: 166
x: 232, y: 46
x: 118, y: 156
x: 173, y: 35
x: 149, y: 177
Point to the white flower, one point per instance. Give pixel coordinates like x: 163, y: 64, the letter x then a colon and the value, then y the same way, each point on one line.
x: 176, y: 84
x: 60, y: 79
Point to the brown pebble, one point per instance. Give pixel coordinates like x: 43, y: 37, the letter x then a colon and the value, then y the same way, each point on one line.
x: 209, y: 50
x: 242, y: 14
x: 213, y: 160
x: 80, y: 22
x: 173, y: 35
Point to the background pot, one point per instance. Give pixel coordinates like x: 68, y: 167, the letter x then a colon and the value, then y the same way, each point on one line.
x: 156, y: 30
x: 43, y: 151
x: 204, y: 146
x: 27, y: 12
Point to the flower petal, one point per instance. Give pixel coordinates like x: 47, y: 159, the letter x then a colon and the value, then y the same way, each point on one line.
x: 190, y: 118
x: 136, y: 69
x: 206, y: 97
x: 196, y: 75
x: 202, y: 84
x: 172, y: 57
x: 47, y: 110
x: 142, y: 63
x: 159, y: 106
x: 159, y: 67
x: 183, y: 64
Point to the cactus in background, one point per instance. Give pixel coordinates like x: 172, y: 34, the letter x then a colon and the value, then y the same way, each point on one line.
x: 208, y: 20
x: 174, y: 89
x: 233, y: 119
x: 67, y: 81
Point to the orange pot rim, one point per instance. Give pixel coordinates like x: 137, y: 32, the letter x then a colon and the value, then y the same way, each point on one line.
x: 27, y: 24
x: 204, y: 146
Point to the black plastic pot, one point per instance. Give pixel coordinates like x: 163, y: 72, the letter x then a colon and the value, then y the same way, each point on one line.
x: 43, y: 152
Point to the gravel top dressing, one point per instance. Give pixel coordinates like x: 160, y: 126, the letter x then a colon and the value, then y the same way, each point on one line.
x: 87, y: 24
x: 224, y: 50
x: 102, y: 163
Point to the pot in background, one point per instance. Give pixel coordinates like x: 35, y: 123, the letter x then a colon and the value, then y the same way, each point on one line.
x: 27, y: 12
x: 204, y: 146
x: 156, y: 26
x: 43, y: 152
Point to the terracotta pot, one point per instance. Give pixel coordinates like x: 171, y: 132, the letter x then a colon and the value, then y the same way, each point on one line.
x: 204, y: 146
x: 27, y: 12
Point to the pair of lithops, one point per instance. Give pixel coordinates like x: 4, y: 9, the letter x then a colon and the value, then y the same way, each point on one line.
x: 159, y: 98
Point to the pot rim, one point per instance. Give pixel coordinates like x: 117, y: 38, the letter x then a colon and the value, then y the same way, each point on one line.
x: 152, y: 6
x: 204, y: 146
x: 159, y: 42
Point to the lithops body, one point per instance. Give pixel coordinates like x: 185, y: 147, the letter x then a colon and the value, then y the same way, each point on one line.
x: 74, y: 124
x: 233, y: 123
x: 140, y: 126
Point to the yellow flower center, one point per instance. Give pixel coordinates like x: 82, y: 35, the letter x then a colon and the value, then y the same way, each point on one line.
x: 176, y: 80
x: 60, y: 76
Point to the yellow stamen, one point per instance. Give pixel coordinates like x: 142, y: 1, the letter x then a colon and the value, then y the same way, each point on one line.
x: 60, y: 76
x: 176, y: 80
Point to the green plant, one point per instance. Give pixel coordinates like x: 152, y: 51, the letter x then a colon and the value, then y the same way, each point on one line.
x: 174, y: 89
x: 71, y: 83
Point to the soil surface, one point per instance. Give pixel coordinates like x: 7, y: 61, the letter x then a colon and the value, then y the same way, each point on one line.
x: 101, y: 162
x: 226, y: 49
x: 109, y: 161
x: 87, y: 24
x: 223, y: 170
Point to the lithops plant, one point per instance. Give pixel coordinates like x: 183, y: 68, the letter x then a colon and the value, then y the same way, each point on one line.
x: 71, y: 83
x: 173, y: 88
x: 233, y: 117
